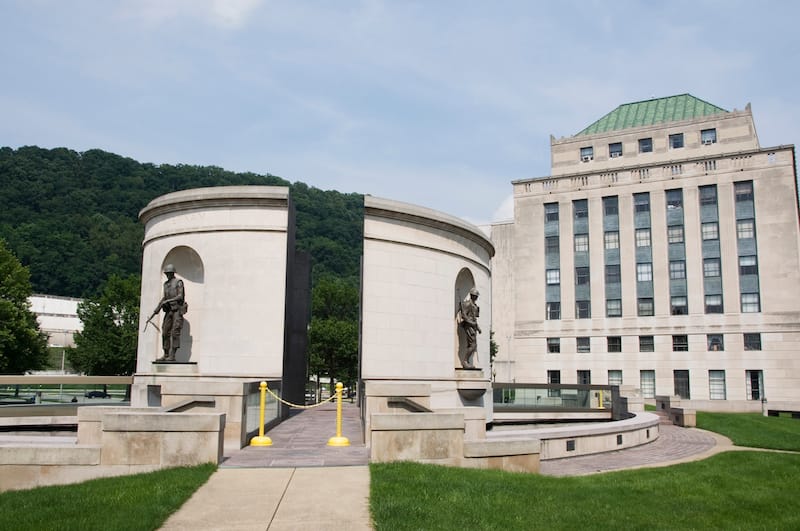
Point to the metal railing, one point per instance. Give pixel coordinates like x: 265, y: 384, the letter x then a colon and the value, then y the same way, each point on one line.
x: 553, y: 397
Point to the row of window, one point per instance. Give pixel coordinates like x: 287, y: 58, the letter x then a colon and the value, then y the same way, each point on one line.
x: 645, y: 145
x: 748, y: 265
x: 742, y: 192
x: 680, y: 343
x: 717, y: 382
x: 645, y: 306
x: 745, y: 229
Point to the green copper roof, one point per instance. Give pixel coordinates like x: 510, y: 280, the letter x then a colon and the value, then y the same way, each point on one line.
x: 654, y: 111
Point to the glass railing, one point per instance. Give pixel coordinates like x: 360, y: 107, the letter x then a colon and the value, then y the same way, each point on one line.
x: 544, y: 397
x: 253, y: 405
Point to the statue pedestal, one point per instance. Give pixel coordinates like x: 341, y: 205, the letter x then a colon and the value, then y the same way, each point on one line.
x: 471, y: 384
x: 174, y: 367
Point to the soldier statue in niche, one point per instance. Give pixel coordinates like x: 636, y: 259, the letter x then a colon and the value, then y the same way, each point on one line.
x: 467, y: 318
x: 174, y: 306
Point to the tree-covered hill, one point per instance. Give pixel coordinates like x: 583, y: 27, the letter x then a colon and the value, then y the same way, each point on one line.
x: 72, y: 218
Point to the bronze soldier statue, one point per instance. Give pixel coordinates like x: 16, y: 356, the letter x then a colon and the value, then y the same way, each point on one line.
x: 469, y: 323
x: 174, y: 306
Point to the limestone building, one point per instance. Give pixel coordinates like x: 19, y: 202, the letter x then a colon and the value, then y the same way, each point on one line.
x: 662, y: 254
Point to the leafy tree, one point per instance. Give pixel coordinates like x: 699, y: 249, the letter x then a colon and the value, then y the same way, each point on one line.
x: 22, y: 346
x: 107, y: 344
x: 333, y: 334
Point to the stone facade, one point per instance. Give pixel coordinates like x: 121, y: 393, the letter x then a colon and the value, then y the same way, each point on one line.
x: 675, y: 270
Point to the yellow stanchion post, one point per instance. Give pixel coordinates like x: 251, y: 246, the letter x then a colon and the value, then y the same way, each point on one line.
x: 261, y: 439
x: 339, y: 440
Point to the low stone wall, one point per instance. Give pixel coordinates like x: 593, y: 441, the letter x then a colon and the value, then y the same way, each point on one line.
x: 572, y: 441
x: 439, y: 438
x: 112, y: 441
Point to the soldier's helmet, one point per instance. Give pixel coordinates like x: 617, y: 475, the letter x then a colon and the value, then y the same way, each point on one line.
x: 169, y: 268
x: 474, y: 291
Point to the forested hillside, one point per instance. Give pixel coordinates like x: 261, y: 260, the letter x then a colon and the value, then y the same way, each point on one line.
x: 72, y: 218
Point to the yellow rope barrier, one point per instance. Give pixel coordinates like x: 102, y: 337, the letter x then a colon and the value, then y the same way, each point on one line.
x: 279, y: 399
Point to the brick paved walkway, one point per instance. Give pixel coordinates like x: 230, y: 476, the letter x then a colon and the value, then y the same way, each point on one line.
x: 301, y: 441
x: 673, y: 445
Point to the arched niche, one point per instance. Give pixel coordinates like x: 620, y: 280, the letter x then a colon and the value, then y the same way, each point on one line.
x: 464, y: 282
x: 187, y: 262
x: 189, y: 268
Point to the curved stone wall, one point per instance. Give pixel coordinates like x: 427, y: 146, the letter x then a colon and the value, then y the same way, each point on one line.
x: 417, y: 264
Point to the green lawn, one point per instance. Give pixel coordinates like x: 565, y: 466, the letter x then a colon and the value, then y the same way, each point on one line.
x: 138, y: 502
x: 753, y: 429
x: 733, y: 490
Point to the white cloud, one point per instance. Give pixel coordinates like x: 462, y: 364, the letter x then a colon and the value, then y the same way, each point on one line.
x: 227, y: 14
x: 505, y: 211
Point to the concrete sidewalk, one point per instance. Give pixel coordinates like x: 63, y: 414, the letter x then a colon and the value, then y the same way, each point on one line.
x: 297, y: 483
x: 278, y: 499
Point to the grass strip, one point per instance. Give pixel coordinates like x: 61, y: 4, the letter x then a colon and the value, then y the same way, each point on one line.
x: 753, y: 429
x: 137, y: 502
x: 733, y: 490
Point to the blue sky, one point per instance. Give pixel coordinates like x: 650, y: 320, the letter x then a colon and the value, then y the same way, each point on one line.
x: 437, y: 103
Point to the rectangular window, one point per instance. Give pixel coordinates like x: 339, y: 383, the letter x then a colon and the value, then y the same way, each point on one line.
x: 614, y: 377
x: 641, y: 202
x: 708, y: 136
x: 644, y: 307
x: 752, y: 341
x: 580, y: 208
x: 677, y: 270
x: 581, y: 276
x: 613, y: 308
x: 748, y: 265
x: 645, y: 145
x: 584, y: 377
x: 612, y: 274
x: 715, y: 342
x: 583, y: 309
x: 551, y: 244
x: 708, y: 195
x: 647, y: 383
x: 674, y: 199
x: 743, y: 191
x: 584, y: 345
x: 647, y: 344
x: 751, y: 303
x: 716, y: 385
x: 713, y: 303
x: 615, y: 150
x: 680, y: 343
x: 675, y: 234
x: 550, y: 212
x: 642, y: 237
x: 711, y: 267
x: 754, y: 385
x: 581, y: 243
x: 554, y: 377
x: 587, y: 153
x: 614, y: 343
x: 681, y: 379
x: 612, y: 240
x: 553, y: 276
x: 644, y: 272
x: 611, y: 206
x: 553, y: 345
x: 553, y: 311
x: 745, y: 228
x: 676, y: 141
x: 678, y: 306
x: 710, y: 231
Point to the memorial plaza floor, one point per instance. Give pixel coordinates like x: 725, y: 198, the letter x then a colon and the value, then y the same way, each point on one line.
x: 301, y: 483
